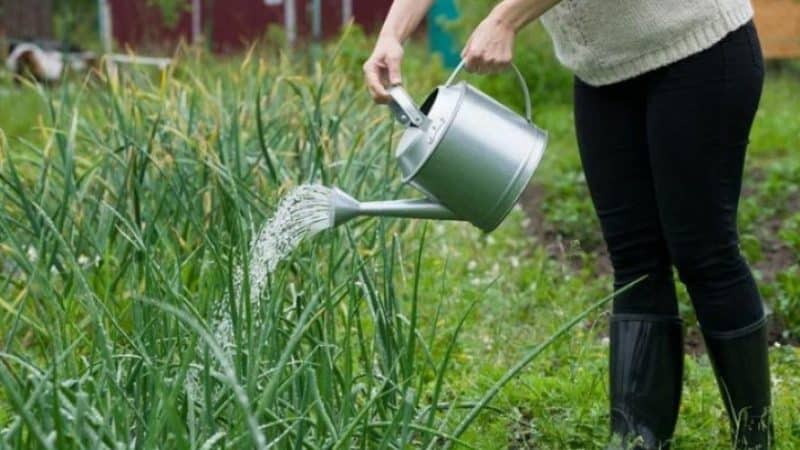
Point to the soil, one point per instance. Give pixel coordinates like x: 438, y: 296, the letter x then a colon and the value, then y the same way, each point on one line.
x: 776, y: 255
x: 694, y: 345
x: 522, y: 436
x: 557, y: 247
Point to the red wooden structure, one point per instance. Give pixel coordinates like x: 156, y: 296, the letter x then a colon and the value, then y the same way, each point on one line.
x: 29, y: 19
x: 232, y: 24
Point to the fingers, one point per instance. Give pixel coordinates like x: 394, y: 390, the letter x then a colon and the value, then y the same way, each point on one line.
x: 474, y: 63
x: 372, y: 74
x: 470, y: 56
x: 489, y: 49
x: 382, y: 69
x: 486, y: 62
x: 393, y: 66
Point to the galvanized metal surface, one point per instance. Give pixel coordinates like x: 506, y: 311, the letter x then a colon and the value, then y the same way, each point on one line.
x: 463, y: 149
x: 345, y: 208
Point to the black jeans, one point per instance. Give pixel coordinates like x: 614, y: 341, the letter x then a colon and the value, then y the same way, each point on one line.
x: 663, y: 155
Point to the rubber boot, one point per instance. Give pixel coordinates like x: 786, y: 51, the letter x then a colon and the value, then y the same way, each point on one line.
x: 741, y: 366
x: 646, y: 374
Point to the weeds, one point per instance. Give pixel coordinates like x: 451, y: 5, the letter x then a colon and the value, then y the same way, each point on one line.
x: 139, y: 205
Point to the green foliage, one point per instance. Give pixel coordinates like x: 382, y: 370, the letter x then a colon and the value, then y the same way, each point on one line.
x: 171, y: 10
x: 784, y: 296
x: 785, y: 292
x: 790, y: 232
x: 76, y: 21
x: 122, y: 227
x: 568, y: 208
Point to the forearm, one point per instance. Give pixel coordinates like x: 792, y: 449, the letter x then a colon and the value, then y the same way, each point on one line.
x: 515, y: 14
x: 404, y: 16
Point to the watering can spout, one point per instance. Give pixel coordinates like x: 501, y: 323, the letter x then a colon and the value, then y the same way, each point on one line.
x: 344, y: 208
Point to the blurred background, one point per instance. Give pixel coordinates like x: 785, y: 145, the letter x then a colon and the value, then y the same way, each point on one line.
x: 230, y: 25
x: 156, y: 29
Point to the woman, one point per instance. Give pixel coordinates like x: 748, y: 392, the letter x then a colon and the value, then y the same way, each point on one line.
x: 665, y: 94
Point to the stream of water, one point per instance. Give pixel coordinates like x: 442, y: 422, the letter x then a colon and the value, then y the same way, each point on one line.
x: 302, y: 213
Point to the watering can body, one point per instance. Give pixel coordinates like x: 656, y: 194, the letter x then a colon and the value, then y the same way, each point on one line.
x: 470, y: 155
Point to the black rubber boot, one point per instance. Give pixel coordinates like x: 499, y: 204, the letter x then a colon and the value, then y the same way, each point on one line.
x: 741, y: 365
x: 646, y: 374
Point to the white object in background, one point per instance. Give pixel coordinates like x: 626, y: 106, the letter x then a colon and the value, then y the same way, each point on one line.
x: 347, y: 11
x: 197, y: 32
x: 273, y: 2
x: 162, y: 63
x: 104, y: 19
x: 316, y: 19
x: 290, y: 21
x: 47, y: 65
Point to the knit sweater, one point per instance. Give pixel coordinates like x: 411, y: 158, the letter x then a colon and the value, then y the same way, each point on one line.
x: 605, y: 41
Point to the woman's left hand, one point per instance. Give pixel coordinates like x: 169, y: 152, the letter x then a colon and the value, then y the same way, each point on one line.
x: 490, y: 47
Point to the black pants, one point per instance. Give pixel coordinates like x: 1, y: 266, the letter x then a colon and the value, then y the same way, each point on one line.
x: 663, y: 155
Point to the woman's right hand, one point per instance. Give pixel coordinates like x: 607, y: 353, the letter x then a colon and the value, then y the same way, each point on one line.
x: 382, y: 68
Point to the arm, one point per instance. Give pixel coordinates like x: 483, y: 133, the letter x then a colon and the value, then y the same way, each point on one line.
x: 404, y: 17
x: 518, y: 13
x: 490, y: 47
x: 383, y: 66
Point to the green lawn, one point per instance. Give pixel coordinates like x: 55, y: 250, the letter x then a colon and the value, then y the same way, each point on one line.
x: 138, y: 197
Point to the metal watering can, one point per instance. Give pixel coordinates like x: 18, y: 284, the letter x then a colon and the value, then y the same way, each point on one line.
x: 471, y: 156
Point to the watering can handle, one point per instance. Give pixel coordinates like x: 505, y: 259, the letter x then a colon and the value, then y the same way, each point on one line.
x: 520, y: 78
x: 404, y: 109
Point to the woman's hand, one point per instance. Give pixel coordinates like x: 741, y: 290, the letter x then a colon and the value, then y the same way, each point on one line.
x: 382, y: 69
x: 490, y: 47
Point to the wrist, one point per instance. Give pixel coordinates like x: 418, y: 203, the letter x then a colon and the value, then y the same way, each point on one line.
x: 390, y: 35
x: 394, y: 30
x: 507, y: 15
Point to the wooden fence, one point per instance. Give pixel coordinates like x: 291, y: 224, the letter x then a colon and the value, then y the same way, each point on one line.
x: 778, y: 24
x: 26, y: 19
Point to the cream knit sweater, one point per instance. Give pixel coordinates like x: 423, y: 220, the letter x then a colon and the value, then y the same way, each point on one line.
x: 605, y: 41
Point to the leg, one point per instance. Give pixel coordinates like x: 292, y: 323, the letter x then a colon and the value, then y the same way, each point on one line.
x: 611, y: 129
x: 646, y: 351
x: 699, y: 114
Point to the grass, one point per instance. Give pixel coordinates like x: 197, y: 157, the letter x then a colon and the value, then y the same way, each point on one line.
x: 128, y: 202
x: 28, y: 110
